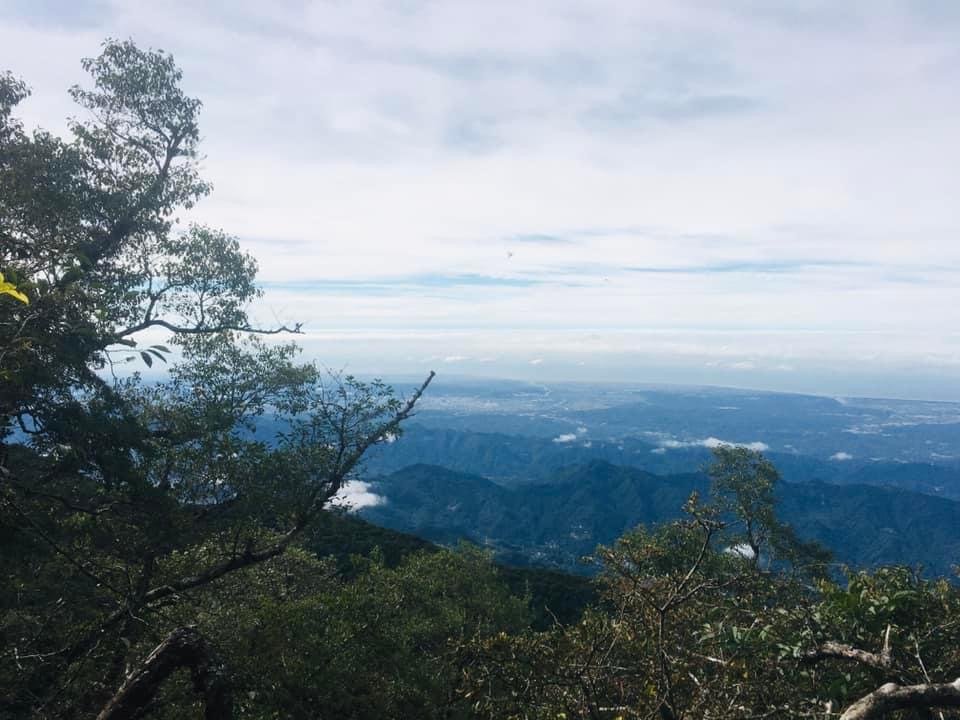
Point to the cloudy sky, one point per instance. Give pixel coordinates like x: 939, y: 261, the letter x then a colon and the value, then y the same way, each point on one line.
x: 743, y: 192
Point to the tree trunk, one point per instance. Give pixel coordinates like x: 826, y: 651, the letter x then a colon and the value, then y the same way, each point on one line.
x: 183, y: 648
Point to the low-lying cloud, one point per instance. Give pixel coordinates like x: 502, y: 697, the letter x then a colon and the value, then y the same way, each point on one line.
x: 356, y: 495
x: 711, y: 443
x: 743, y: 550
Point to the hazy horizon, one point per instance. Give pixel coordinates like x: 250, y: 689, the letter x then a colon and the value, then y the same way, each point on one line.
x: 402, y: 379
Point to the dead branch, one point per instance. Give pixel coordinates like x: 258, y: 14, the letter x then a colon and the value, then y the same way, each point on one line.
x: 183, y: 648
x: 841, y: 651
x: 891, y: 697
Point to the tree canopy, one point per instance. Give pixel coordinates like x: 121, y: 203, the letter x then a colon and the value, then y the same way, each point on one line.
x: 123, y: 499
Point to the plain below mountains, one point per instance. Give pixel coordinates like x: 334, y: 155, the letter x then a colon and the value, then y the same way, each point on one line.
x: 558, y: 521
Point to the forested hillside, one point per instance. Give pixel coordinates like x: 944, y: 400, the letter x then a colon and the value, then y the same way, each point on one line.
x: 525, y: 455
x: 161, y: 559
x: 565, y: 514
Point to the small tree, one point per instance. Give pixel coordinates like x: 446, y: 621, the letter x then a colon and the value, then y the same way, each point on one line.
x: 744, y: 487
x: 743, y: 482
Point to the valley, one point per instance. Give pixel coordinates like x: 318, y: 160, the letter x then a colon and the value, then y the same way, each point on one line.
x: 543, y: 474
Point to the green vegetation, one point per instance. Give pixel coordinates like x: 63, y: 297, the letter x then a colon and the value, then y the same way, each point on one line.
x: 130, y: 500
x: 160, y: 561
x: 556, y: 523
x: 688, y: 629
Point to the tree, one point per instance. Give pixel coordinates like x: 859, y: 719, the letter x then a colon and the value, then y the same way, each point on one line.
x: 122, y: 500
x: 744, y: 485
x: 744, y: 480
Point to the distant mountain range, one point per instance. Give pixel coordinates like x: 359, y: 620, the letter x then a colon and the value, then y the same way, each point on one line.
x: 516, y: 459
x: 557, y: 521
x: 542, y: 473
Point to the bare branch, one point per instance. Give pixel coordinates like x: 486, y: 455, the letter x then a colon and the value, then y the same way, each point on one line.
x: 840, y: 651
x: 891, y: 697
x: 202, y: 330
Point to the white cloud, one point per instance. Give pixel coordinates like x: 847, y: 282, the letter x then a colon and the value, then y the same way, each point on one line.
x: 820, y: 154
x: 841, y: 456
x: 455, y: 358
x: 676, y: 444
x: 565, y: 438
x: 710, y: 442
x: 743, y: 550
x: 536, y: 361
x: 356, y: 495
x: 756, y: 446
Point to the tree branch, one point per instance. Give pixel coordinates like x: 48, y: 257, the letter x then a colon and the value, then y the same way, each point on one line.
x: 842, y: 651
x: 80, y: 565
x: 322, y: 494
x: 891, y: 697
x: 202, y: 330
x: 184, y: 647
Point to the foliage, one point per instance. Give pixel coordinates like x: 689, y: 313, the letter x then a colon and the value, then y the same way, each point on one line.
x: 384, y: 646
x: 553, y: 597
x: 676, y: 636
x: 906, y: 625
x: 380, y: 644
x: 688, y: 629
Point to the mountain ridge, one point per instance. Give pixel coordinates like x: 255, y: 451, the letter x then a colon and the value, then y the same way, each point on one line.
x: 555, y: 523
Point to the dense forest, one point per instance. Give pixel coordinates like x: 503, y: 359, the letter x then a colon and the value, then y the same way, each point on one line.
x: 159, y: 561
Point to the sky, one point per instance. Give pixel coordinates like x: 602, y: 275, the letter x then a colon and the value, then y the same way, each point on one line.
x: 754, y: 193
